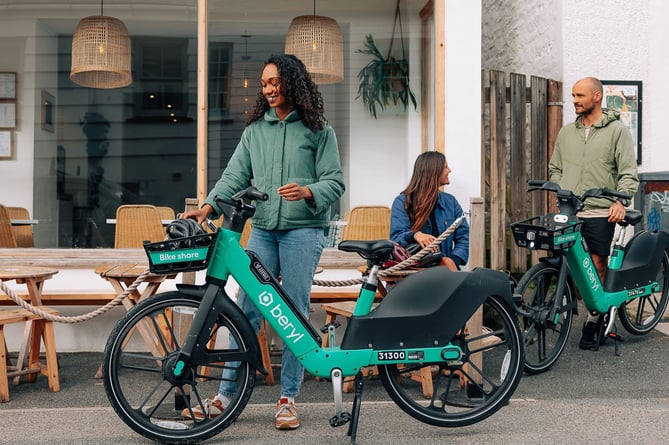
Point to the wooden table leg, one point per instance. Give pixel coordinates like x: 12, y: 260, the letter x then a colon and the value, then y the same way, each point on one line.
x: 35, y: 293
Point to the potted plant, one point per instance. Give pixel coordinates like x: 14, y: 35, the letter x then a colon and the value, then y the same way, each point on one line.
x: 384, y: 80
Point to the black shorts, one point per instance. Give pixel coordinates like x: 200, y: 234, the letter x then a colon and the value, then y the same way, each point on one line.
x: 598, y: 234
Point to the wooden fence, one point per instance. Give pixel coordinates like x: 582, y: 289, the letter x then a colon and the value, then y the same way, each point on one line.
x: 520, y: 122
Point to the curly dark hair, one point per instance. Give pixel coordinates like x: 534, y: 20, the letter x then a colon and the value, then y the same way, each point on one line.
x: 298, y: 88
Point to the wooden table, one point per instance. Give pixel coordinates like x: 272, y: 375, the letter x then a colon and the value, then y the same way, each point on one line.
x: 33, y: 277
x: 121, y: 276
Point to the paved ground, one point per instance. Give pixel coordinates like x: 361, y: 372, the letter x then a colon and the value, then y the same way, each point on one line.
x: 587, y: 398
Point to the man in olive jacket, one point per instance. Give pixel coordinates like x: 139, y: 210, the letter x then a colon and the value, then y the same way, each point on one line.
x: 595, y: 151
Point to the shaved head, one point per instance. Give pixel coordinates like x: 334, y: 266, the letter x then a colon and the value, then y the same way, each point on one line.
x: 592, y: 83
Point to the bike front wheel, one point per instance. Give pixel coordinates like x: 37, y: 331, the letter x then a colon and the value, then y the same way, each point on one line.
x: 471, y: 389
x: 139, y: 378
x: 545, y: 335
x: 640, y: 315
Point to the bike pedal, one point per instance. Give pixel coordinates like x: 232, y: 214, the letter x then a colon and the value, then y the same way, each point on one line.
x: 340, y: 419
x: 335, y: 323
x: 614, y: 336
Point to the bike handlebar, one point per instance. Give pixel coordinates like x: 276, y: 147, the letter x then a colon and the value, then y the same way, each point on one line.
x: 598, y: 192
x: 250, y: 194
x: 569, y: 200
x: 239, y: 208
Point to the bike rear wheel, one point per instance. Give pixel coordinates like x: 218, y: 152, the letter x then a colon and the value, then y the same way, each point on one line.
x: 545, y: 336
x: 640, y: 315
x: 138, y: 365
x: 472, y: 389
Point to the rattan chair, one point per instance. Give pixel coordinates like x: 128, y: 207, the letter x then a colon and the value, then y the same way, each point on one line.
x: 6, y: 236
x: 367, y: 223
x: 166, y: 212
x: 136, y: 223
x: 23, y: 233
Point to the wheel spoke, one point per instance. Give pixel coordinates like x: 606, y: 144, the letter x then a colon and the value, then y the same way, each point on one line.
x: 140, y: 382
x: 470, y: 390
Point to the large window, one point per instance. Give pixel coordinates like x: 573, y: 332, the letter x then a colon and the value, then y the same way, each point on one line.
x: 138, y: 144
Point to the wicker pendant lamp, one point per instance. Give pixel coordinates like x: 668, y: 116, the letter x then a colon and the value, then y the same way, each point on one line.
x: 319, y: 43
x: 101, y: 53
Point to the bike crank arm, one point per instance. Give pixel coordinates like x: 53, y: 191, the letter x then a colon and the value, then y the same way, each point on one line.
x: 612, y: 318
x: 341, y: 417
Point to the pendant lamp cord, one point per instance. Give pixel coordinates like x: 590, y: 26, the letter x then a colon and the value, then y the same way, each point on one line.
x: 102, y: 8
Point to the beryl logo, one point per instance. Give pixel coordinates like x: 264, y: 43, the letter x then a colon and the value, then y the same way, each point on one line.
x: 291, y: 332
x: 266, y: 298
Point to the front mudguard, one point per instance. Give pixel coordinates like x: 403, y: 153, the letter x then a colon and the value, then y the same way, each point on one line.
x: 426, y: 309
x: 228, y: 307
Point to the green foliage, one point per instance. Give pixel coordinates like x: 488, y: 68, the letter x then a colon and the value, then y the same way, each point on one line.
x: 383, y: 81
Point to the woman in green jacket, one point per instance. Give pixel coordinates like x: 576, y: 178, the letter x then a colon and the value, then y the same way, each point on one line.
x: 288, y: 151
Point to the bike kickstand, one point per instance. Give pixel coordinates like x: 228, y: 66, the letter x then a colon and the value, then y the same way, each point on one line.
x: 355, y: 411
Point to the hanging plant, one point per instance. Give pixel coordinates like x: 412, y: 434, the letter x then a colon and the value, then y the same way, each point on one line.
x: 384, y: 81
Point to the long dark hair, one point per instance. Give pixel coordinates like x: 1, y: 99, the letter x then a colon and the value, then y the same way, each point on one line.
x: 298, y: 88
x: 423, y: 189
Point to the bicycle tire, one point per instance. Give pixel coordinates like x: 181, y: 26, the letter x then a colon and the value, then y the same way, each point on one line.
x: 469, y: 390
x: 544, y: 339
x: 138, y: 359
x: 633, y: 314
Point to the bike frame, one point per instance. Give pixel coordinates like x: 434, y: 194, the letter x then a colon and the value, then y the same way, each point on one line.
x: 587, y: 281
x: 229, y: 259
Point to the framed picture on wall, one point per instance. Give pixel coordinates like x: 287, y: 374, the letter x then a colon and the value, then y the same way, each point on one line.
x: 625, y: 97
x: 7, y: 115
x: 8, y: 86
x: 5, y: 144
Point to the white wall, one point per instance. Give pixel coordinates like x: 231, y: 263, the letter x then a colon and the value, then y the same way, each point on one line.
x: 524, y: 39
x: 463, y: 99
x: 16, y: 175
x: 624, y: 41
x: 655, y: 97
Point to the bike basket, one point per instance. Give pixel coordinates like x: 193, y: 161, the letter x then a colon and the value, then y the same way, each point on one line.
x: 181, y: 254
x: 542, y: 233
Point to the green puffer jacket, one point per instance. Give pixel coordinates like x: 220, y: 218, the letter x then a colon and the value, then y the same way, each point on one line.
x: 607, y: 159
x: 272, y: 153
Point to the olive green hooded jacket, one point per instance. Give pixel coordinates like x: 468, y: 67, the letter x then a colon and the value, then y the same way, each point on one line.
x: 272, y: 153
x: 606, y: 159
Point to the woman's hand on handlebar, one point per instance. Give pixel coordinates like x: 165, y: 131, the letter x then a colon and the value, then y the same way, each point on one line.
x: 199, y: 215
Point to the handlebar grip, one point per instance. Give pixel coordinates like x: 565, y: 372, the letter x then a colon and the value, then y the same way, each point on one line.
x: 536, y: 182
x: 255, y: 194
x: 615, y: 193
x: 250, y: 194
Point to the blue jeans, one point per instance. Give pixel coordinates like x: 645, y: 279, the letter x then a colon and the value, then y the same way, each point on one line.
x: 293, y: 255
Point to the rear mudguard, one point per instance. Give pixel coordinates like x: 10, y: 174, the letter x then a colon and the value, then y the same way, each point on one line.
x: 643, y: 257
x: 426, y: 309
x: 233, y: 311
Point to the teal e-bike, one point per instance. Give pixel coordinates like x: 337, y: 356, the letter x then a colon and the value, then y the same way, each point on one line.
x: 170, y: 352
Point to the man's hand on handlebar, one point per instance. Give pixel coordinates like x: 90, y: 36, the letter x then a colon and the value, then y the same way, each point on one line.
x: 616, y: 212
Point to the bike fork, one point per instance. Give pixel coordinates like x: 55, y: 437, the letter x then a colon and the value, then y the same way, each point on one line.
x: 554, y: 315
